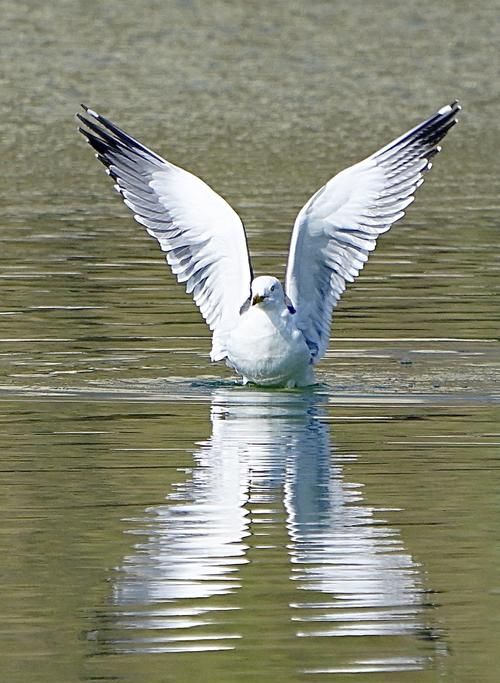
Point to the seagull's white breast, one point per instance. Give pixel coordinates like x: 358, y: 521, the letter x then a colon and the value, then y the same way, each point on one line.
x: 267, y: 348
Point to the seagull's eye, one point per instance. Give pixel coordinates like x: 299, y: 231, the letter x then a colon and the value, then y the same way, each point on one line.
x: 273, y: 288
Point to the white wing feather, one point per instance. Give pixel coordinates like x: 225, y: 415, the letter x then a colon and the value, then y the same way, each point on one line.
x: 338, y: 227
x: 203, y: 237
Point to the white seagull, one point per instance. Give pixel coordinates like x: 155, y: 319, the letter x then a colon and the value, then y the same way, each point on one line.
x: 270, y: 335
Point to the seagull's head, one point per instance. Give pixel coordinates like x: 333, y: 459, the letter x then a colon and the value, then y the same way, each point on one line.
x: 267, y: 291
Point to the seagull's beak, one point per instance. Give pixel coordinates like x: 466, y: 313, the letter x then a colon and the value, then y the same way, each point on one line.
x: 257, y: 299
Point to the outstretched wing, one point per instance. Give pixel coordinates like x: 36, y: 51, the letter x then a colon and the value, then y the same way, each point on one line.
x: 202, y: 236
x: 338, y: 227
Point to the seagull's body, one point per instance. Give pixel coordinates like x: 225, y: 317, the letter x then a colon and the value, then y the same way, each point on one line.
x: 266, y: 347
x: 270, y: 335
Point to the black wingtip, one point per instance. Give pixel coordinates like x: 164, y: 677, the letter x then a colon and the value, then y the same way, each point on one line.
x: 455, y: 107
x: 451, y: 108
x: 114, y: 134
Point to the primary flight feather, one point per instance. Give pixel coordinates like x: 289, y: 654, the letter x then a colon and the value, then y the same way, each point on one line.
x: 269, y: 335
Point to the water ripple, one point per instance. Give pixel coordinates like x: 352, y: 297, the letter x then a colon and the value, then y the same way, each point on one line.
x: 269, y: 468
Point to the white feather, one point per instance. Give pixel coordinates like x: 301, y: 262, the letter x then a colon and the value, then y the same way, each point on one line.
x: 203, y: 237
x: 338, y: 227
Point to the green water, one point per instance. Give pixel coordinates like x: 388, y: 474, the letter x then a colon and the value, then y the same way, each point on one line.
x: 161, y: 523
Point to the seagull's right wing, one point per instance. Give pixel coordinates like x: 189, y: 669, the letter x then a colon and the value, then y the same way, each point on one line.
x: 203, y: 237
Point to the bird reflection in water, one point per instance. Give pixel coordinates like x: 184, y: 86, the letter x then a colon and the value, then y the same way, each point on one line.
x: 270, y: 478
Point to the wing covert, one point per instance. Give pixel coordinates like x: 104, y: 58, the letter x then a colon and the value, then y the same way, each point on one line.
x: 203, y: 237
x: 338, y: 227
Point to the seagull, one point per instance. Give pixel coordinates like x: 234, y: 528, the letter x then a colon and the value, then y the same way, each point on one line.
x: 269, y: 334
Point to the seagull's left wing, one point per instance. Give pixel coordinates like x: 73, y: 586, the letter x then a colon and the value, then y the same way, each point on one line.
x: 202, y: 236
x: 338, y: 227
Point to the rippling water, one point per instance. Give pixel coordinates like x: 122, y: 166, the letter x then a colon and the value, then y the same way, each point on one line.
x: 161, y: 523
x: 301, y: 534
x: 269, y: 470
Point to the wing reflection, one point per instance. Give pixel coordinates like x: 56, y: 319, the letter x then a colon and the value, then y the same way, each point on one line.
x: 341, y: 549
x: 182, y: 587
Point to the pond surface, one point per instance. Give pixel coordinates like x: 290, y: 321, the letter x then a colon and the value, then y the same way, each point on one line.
x: 162, y: 523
